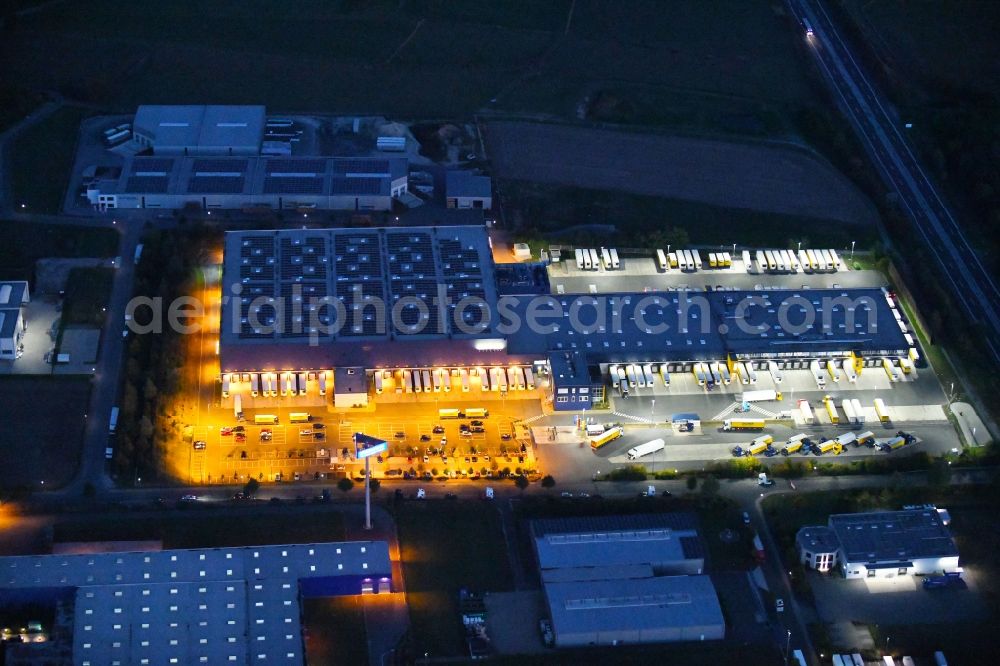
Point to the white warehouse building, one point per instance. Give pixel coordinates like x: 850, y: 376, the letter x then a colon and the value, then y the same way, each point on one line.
x: 880, y: 544
x: 199, y: 130
x: 13, y: 298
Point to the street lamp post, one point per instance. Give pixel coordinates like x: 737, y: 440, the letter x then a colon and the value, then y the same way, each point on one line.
x: 788, y: 644
x: 651, y: 408
x: 852, y: 250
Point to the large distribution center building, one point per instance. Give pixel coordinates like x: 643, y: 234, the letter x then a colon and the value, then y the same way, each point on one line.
x: 880, y: 544
x: 425, y: 297
x: 610, y: 580
x: 204, y: 606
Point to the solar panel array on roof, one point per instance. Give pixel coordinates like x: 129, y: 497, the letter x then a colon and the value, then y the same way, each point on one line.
x: 147, y: 184
x: 463, y: 277
x: 361, y: 166
x: 151, y: 164
x: 359, y: 186
x: 302, y: 275
x: 257, y: 264
x: 219, y: 166
x: 295, y: 166
x: 298, y: 184
x: 413, y: 273
x: 215, y: 184
x: 358, y: 262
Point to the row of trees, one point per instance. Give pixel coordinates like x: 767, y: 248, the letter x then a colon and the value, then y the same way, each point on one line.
x: 154, y: 362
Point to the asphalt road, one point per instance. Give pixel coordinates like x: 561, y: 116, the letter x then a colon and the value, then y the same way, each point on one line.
x: 867, y: 110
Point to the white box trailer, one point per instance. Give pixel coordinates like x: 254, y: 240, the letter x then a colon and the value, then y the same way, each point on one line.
x: 806, y: 412
x: 302, y: 383
x: 512, y: 378
x: 606, y: 258
x: 727, y: 260
x: 776, y: 375
x: 647, y: 370
x: 833, y: 367
x: 817, y: 373
x: 762, y: 395
x: 225, y: 386
x: 238, y: 407
x: 672, y: 259
x: 254, y: 384
x: 646, y: 449
x: 417, y: 384
x: 436, y: 379
x: 501, y: 378
x: 697, y: 259
x: 665, y: 374
x: 811, y: 257
x: 727, y: 378
x: 425, y: 379
x: 747, y: 262
x: 716, y: 375
x: 377, y: 378
x: 463, y: 375
x: 779, y: 259
x: 595, y: 260
x: 579, y: 259
x: 615, y: 263
x: 848, y: 366
x: 772, y: 265
x: 859, y: 413
x: 323, y: 380
x: 849, y: 411
x: 529, y: 379
x: 761, y: 262
x: 661, y: 260
x: 835, y: 259
x: 640, y: 379
x: 804, y: 262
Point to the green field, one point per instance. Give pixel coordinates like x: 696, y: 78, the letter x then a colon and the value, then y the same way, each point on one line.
x: 27, y: 242
x: 445, y: 546
x: 41, y: 159
x: 545, y: 209
x: 87, y: 294
x: 209, y: 528
x: 415, y: 58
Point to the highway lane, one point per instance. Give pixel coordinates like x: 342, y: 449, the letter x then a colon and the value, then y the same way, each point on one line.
x: 974, y: 288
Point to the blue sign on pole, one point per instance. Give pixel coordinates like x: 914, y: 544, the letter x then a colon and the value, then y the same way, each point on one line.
x: 366, y: 446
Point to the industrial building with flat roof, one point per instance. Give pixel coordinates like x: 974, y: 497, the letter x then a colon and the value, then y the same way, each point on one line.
x: 626, y: 579
x: 199, y: 130
x: 666, y: 543
x: 202, y: 606
x: 464, y: 189
x: 307, y: 300
x: 277, y: 183
x: 646, y: 610
x: 882, y: 544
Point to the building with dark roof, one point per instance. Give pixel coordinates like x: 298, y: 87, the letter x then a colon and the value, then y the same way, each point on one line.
x: 230, y: 182
x: 882, y: 544
x: 199, y: 130
x: 626, y: 578
x: 464, y: 189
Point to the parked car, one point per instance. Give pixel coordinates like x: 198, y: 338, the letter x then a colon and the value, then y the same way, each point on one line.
x: 746, y: 518
x: 200, y: 445
x: 779, y: 605
x: 225, y: 431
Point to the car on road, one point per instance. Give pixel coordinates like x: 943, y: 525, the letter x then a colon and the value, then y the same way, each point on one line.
x: 189, y: 498
x: 199, y: 445
x: 318, y: 426
x: 779, y: 606
x: 400, y: 435
x: 239, y: 429
x: 746, y: 518
x: 438, y: 429
x: 425, y: 438
x: 505, y: 437
x: 420, y: 494
x: 266, y: 434
x: 319, y: 436
x: 565, y: 494
x: 241, y: 437
x: 225, y: 431
x: 476, y: 423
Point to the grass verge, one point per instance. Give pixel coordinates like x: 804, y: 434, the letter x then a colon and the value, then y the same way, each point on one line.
x: 41, y: 160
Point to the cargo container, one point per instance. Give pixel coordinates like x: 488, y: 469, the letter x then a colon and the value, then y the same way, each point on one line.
x: 794, y: 444
x: 743, y: 424
x: 299, y: 417
x: 866, y: 438
x: 847, y: 438
x: 265, y: 419
x: 477, y: 413
x: 449, y: 413
x: 760, y: 445
x: 830, y: 446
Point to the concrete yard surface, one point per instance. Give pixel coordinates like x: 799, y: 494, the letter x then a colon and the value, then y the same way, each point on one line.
x: 512, y: 621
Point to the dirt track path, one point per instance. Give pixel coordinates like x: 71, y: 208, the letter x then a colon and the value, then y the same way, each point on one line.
x: 756, y: 176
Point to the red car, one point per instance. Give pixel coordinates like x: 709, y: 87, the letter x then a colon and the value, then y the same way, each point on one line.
x: 225, y: 430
